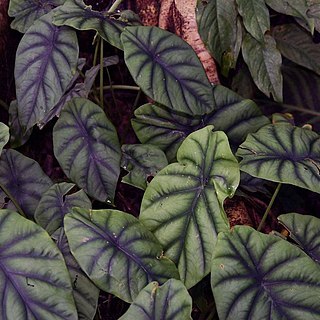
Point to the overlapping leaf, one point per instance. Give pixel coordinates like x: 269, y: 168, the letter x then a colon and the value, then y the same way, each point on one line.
x: 56, y: 203
x: 23, y: 179
x: 258, y: 276
x: 46, y: 60
x: 141, y: 161
x: 76, y: 14
x: 4, y: 135
x: 171, y: 301
x: 264, y: 62
x: 305, y: 231
x: 26, y: 12
x: 87, y: 147
x: 34, y: 281
x: 167, y: 69
x: 183, y: 204
x: 116, y: 251
x: 283, y: 153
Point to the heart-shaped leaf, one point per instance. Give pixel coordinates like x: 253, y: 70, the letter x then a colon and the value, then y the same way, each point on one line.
x: 74, y: 13
x: 264, y: 62
x: 34, y: 281
x: 56, y: 203
x: 258, y: 276
x: 23, y: 179
x: 305, y: 231
x: 4, y: 135
x: 283, y: 153
x: 171, y: 301
x: 87, y: 147
x: 166, y: 129
x: 183, y: 204
x: 116, y: 251
x: 167, y: 69
x: 46, y: 60
x: 26, y: 12
x: 141, y: 161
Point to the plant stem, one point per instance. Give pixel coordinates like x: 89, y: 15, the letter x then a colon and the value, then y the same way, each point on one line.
x: 101, y: 74
x: 121, y: 87
x: 269, y: 207
x: 115, y: 6
x: 9, y: 195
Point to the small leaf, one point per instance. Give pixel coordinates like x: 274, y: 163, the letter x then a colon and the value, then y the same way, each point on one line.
x: 26, y: 12
x: 171, y: 301
x: 4, y: 135
x: 56, y: 203
x: 167, y: 69
x: 141, y: 161
x: 74, y: 13
x: 116, y: 251
x: 258, y: 276
x: 264, y: 62
x: 183, y: 204
x: 46, y: 60
x: 283, y: 153
x: 34, y: 281
x: 24, y: 179
x: 305, y: 231
x: 87, y: 148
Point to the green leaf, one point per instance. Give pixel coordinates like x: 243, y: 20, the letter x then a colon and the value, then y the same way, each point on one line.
x: 255, y: 17
x: 141, y: 161
x: 167, y: 69
x: 56, y: 202
x: 305, y: 231
x: 218, y: 28
x: 171, y: 301
x: 283, y: 153
x: 258, y: 276
x: 87, y: 147
x: 183, y: 204
x: 116, y: 251
x: 4, y: 135
x: 297, y: 45
x: 74, y: 13
x: 264, y: 62
x: 26, y: 12
x: 34, y: 281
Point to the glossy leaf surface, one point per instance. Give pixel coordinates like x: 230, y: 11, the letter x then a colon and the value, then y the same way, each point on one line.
x: 116, y: 251
x: 171, y: 301
x: 167, y: 69
x: 258, y: 276
x: 183, y: 204
x: 56, y: 202
x: 305, y: 231
x: 283, y: 153
x: 34, y: 281
x: 4, y: 135
x: 46, y: 60
x: 141, y: 161
x: 87, y: 147
x: 24, y: 179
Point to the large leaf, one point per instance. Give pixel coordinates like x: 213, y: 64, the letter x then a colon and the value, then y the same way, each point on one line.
x: 167, y: 69
x: 297, y: 45
x: 305, y: 231
x: 87, y: 148
x: 46, y: 60
x: 258, y: 276
x: 56, y: 202
x: 264, y: 62
x: 141, y: 161
x: 34, y: 281
x: 26, y: 12
x: 166, y: 129
x: 183, y: 204
x: 76, y: 14
x: 23, y: 179
x: 4, y: 135
x: 255, y: 17
x: 171, y: 301
x: 283, y: 153
x: 116, y: 251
